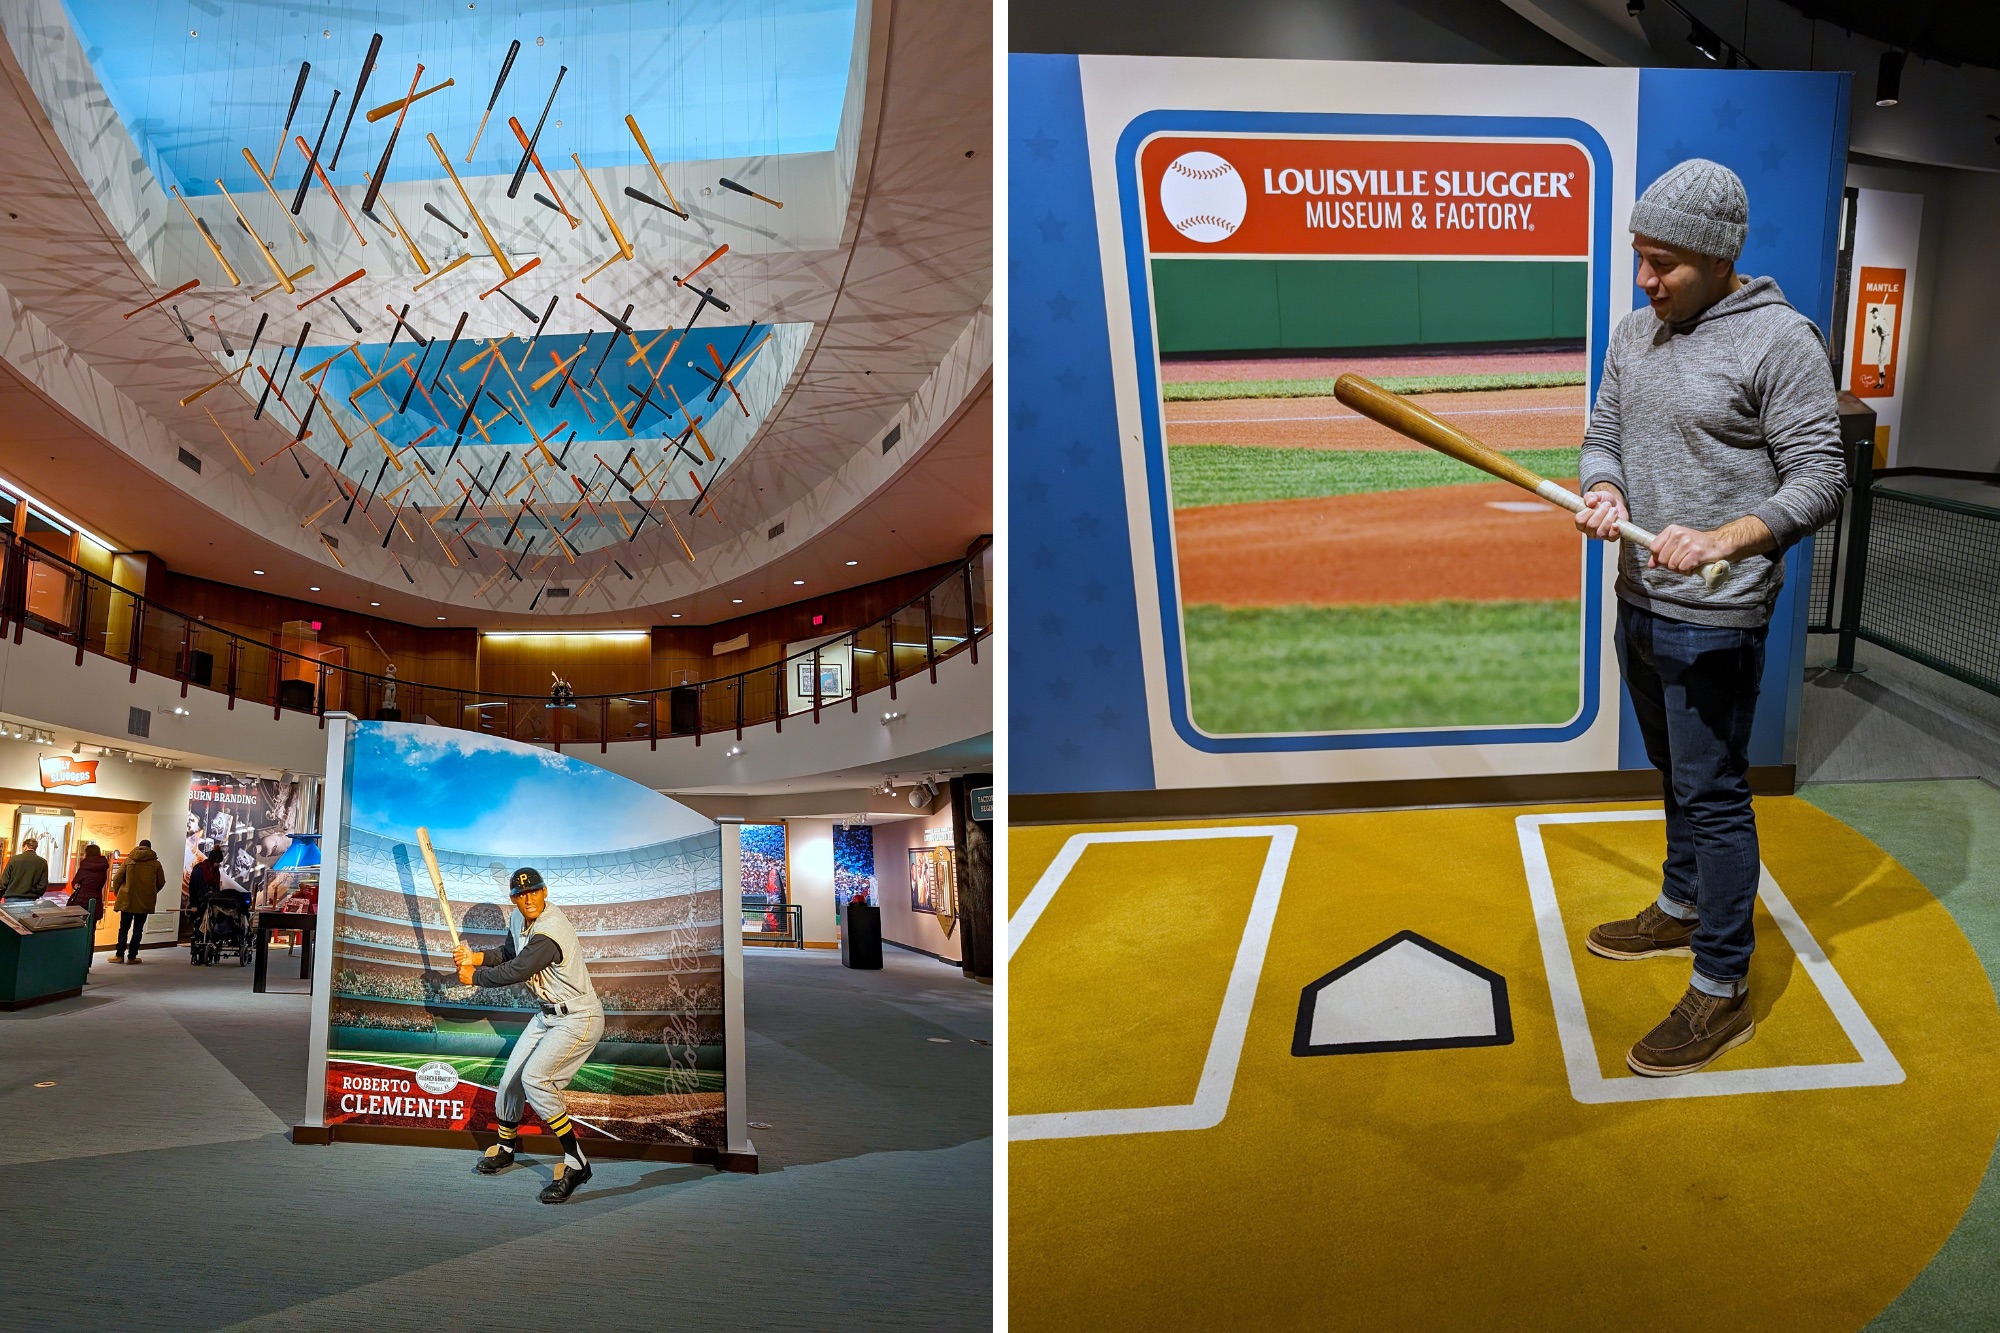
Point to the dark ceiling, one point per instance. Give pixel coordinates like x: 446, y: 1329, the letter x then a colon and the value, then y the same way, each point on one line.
x: 1952, y: 32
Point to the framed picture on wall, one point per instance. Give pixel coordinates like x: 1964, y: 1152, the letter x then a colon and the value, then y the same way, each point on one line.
x: 831, y: 679
x: 765, y: 864
x: 933, y: 882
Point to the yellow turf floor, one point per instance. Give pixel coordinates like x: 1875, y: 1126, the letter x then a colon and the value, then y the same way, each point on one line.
x: 1468, y: 1188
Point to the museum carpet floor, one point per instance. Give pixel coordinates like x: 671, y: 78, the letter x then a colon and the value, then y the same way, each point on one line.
x: 152, y: 1186
x: 1358, y: 1071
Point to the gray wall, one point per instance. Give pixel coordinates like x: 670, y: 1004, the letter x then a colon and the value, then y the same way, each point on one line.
x: 1441, y: 31
x: 1951, y: 418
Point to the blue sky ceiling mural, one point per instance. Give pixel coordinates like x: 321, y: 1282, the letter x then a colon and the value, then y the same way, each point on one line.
x: 487, y: 268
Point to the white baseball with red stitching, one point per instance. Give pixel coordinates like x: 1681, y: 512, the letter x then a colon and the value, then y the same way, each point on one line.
x: 1203, y: 197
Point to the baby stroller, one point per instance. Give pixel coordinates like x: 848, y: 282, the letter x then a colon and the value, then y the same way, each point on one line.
x: 223, y: 928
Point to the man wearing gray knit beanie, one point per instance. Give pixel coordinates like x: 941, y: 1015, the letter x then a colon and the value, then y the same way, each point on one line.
x: 1715, y: 426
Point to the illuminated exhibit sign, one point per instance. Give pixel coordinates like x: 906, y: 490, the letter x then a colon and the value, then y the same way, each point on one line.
x: 1332, y: 195
x: 60, y: 770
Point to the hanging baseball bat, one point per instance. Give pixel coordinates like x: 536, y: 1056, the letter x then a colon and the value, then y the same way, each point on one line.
x: 312, y: 158
x: 367, y: 68
x: 674, y: 205
x: 389, y: 149
x: 1404, y: 417
x: 729, y: 184
x: 432, y: 209
x: 390, y: 108
x: 505, y: 66
x: 208, y: 238
x: 718, y: 253
x: 298, y: 91
x: 514, y: 186
x: 437, y: 881
x: 187, y: 286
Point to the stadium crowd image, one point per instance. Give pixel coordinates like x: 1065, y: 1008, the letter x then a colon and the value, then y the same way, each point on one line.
x: 1501, y: 749
x: 498, y: 612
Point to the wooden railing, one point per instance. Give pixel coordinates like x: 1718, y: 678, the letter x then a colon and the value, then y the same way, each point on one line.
x: 44, y: 593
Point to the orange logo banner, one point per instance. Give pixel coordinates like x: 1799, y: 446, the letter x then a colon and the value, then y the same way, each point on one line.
x: 1878, y: 332
x: 1225, y: 196
x: 59, y: 770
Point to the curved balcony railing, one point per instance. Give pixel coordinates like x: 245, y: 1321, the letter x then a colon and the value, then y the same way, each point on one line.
x: 42, y: 592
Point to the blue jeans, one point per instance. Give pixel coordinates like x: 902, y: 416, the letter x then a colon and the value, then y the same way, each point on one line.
x: 1694, y: 688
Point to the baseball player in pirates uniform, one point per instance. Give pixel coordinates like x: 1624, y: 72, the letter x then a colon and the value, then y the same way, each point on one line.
x: 542, y: 953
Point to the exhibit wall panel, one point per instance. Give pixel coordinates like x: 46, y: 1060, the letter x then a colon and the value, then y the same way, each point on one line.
x: 126, y: 802
x: 401, y: 1046
x: 1342, y: 206
x: 902, y: 923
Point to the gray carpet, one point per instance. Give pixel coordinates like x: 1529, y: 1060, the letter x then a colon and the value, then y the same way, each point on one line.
x: 153, y: 1186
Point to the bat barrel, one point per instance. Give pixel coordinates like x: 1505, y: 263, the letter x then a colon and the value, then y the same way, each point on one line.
x: 1404, y: 417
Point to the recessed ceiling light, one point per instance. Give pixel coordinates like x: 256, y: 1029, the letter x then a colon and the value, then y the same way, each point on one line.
x: 440, y: 617
x: 852, y: 563
x: 737, y: 600
x: 798, y: 583
x: 677, y: 615
x: 257, y: 571
x: 313, y: 588
x: 374, y: 603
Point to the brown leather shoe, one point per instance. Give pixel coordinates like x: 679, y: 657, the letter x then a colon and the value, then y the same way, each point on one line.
x: 1650, y: 934
x: 1701, y: 1027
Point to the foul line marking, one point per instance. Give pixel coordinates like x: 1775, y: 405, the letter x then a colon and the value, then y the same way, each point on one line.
x: 1876, y: 1068
x: 1225, y: 1046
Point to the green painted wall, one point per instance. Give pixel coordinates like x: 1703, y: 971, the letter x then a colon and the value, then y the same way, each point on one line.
x: 1244, y: 305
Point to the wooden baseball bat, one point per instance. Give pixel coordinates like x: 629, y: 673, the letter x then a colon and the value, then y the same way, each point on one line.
x: 437, y: 881
x: 498, y: 83
x: 367, y: 68
x: 388, y: 109
x: 1404, y: 417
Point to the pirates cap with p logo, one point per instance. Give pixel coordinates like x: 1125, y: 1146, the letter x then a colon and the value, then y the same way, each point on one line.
x: 525, y: 880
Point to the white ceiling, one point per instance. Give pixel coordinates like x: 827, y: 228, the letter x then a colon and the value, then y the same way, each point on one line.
x: 887, y: 303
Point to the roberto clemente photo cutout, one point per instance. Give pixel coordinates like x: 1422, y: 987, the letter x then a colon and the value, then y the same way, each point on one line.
x: 528, y: 954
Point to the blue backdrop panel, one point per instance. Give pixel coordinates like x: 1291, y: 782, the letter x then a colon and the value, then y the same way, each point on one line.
x: 1785, y: 134
x: 1077, y: 705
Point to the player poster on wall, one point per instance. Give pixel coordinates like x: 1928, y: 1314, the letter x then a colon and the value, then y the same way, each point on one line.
x: 638, y: 878
x: 853, y: 865
x: 250, y: 819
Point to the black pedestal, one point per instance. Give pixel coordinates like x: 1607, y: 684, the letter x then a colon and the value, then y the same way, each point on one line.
x: 297, y: 695
x: 388, y: 715
x: 861, y: 937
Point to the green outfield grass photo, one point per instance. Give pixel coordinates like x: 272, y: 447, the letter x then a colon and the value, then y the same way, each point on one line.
x: 1354, y: 668
x: 1226, y: 474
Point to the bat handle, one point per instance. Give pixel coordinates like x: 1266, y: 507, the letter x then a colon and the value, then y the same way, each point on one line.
x: 1712, y: 573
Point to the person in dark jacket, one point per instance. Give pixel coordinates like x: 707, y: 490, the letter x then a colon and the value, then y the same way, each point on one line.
x: 27, y: 874
x: 86, y: 886
x: 137, y: 889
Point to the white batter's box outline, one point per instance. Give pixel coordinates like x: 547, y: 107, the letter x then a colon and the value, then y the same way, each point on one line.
x: 1876, y: 1068
x: 1225, y: 1046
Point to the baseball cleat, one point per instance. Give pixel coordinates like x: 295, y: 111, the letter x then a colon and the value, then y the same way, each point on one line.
x: 496, y: 1160
x: 566, y: 1183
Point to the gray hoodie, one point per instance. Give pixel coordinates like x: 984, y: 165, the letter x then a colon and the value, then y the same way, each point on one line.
x: 1728, y: 415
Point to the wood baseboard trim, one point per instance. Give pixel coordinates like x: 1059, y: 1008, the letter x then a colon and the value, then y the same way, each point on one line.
x: 744, y: 1163
x: 1641, y: 784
